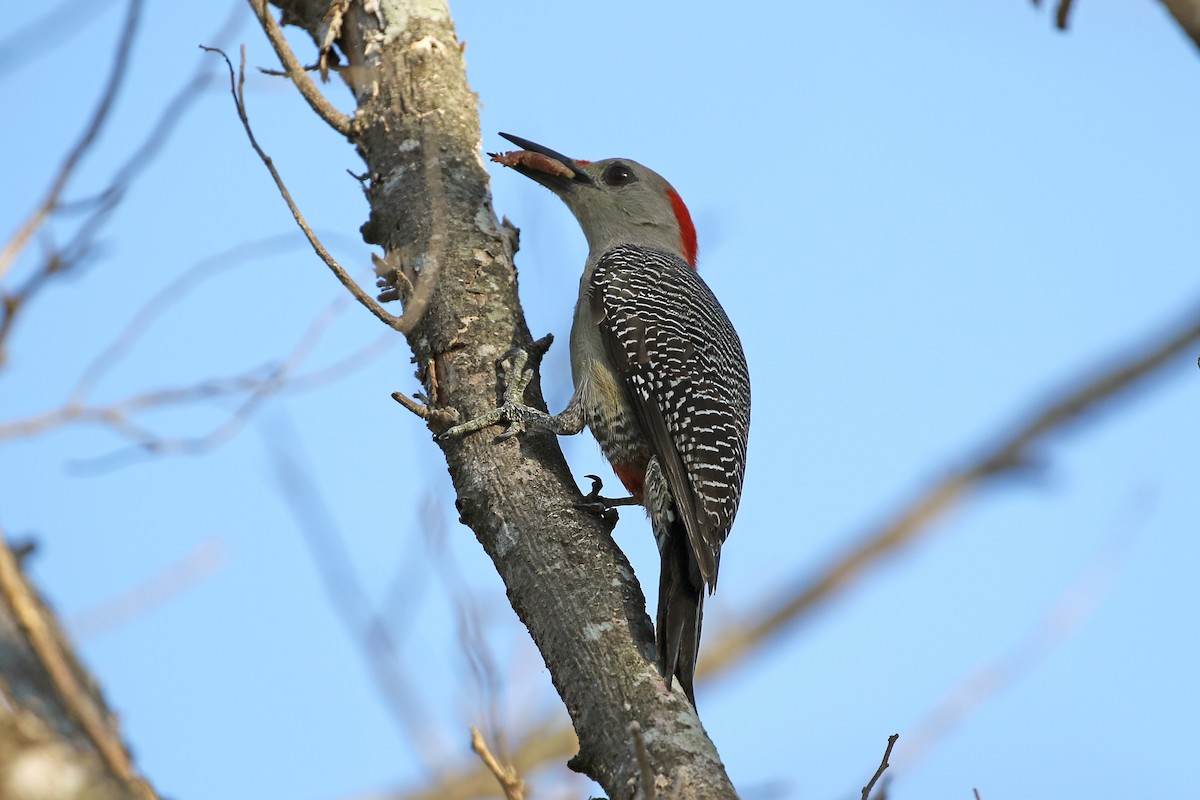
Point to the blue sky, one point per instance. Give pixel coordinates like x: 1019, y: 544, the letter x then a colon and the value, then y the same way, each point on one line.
x: 923, y: 219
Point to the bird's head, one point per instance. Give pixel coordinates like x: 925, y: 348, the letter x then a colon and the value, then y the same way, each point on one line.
x: 617, y: 201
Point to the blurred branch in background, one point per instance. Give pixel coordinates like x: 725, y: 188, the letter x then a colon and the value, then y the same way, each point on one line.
x: 22, y: 47
x: 1074, y: 607
x: 155, y: 591
x: 96, y: 211
x: 95, y: 124
x: 469, y: 616
x: 1120, y: 375
x: 349, y: 598
x: 1084, y: 397
x: 57, y: 736
x: 252, y: 386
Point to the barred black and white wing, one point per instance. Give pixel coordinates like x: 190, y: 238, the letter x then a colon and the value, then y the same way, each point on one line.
x: 685, y: 374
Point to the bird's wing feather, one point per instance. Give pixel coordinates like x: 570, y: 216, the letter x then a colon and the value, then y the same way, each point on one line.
x: 685, y: 375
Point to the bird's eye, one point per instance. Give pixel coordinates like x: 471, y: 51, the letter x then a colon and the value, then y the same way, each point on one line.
x: 618, y: 175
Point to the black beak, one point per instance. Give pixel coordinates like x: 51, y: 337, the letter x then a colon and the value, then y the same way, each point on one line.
x: 552, y: 181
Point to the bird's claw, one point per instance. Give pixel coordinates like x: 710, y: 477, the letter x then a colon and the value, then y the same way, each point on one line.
x: 597, y: 485
x: 603, y: 507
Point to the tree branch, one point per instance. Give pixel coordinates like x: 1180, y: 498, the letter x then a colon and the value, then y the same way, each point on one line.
x: 99, y: 208
x: 295, y: 70
x: 883, y: 765
x: 237, y: 88
x: 510, y: 782
x: 115, y: 79
x: 51, y: 715
x: 417, y: 129
x: 1187, y: 14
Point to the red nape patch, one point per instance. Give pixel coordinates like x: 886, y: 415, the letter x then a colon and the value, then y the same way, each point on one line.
x: 687, y: 231
x: 634, y: 478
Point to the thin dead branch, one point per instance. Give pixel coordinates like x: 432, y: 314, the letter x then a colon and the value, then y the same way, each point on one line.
x: 295, y: 70
x: 404, y: 323
x: 551, y: 741
x: 883, y: 765
x: 506, y: 776
x: 112, y: 87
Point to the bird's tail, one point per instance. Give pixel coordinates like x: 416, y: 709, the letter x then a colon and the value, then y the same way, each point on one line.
x: 680, y: 610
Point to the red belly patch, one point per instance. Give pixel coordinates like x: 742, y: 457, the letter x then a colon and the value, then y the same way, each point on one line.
x: 633, y: 476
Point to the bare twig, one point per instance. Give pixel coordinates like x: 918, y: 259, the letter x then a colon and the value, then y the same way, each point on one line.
x: 115, y: 79
x: 510, y: 782
x: 403, y: 323
x: 45, y: 644
x: 420, y: 409
x: 116, y: 415
x: 320, y: 104
x: 549, y: 741
x: 866, y: 791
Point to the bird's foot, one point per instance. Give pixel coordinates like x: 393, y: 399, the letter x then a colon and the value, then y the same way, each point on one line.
x: 512, y: 413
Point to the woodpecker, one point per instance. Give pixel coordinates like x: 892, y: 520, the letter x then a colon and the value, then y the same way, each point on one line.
x: 660, y: 378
